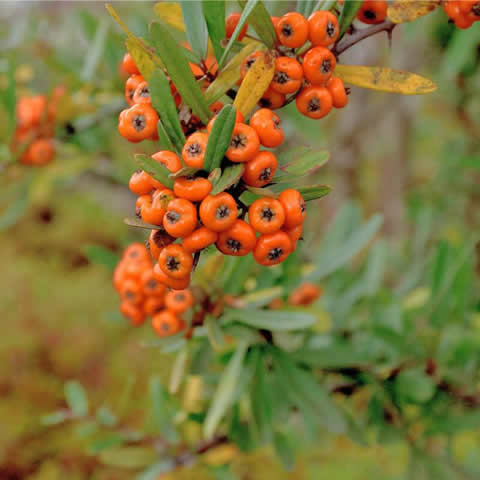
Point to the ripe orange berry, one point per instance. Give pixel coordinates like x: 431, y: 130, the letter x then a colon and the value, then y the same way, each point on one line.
x: 272, y: 248
x: 167, y: 280
x: 318, y: 65
x: 153, y: 305
x: 135, y: 252
x: 169, y: 159
x: 373, y: 11
x: 218, y: 212
x: 152, y: 245
x: 314, y: 102
x: 294, y: 206
x: 166, y: 323
x: 128, y: 65
x: 305, y: 294
x: 275, y: 22
x: 268, y: 127
x: 260, y: 170
x: 119, y: 276
x: 231, y: 25
x: 179, y: 301
x: 193, y: 152
x: 272, y: 99
x: 153, y: 211
x: 142, y: 183
x: 294, y: 234
x: 323, y: 28
x: 292, y: 30
x: 238, y: 119
x: 244, y: 144
x: 180, y: 218
x: 150, y: 285
x: 288, y: 75
x: 139, y: 123
x: 131, y: 85
x: 248, y: 62
x: 175, y: 261
x: 142, y: 94
x: 193, y: 189
x: 266, y: 215
x: 131, y: 291
x: 30, y: 111
x: 134, y: 270
x: 199, y: 239
x: 337, y: 89
x: 238, y: 240
x: 39, y: 152
x: 133, y: 313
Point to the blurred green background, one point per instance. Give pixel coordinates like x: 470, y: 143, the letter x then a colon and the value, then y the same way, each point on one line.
x: 416, y: 160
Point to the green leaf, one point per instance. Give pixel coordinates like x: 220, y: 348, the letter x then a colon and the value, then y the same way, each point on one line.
x: 214, y: 13
x: 106, y: 417
x: 259, y: 19
x: 219, y: 138
x: 349, y: 12
x: 285, y: 450
x: 275, y: 320
x: 261, y: 401
x: 230, y: 176
x: 215, y: 176
x: 104, y: 443
x: 164, y: 104
x: 178, y: 371
x: 179, y: 71
x: 161, y: 415
x: 9, y: 97
x: 305, y: 164
x: 154, y: 472
x: 54, y: 418
x: 130, y: 457
x: 137, y: 222
x: 314, y: 192
x: 259, y: 298
x: 156, y: 169
x: 18, y: 206
x: 222, y: 399
x: 414, y: 386
x: 95, y: 51
x: 163, y: 138
x: 333, y: 356
x: 185, y: 172
x: 76, y: 398
x: 305, y: 7
x: 101, y: 256
x: 195, y: 26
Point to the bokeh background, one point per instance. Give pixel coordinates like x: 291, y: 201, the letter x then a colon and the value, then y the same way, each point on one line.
x: 415, y: 160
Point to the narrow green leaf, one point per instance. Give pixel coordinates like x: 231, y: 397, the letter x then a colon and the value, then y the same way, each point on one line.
x: 54, y: 418
x: 136, y: 222
x: 9, y: 97
x: 164, y: 104
x: 178, y: 371
x: 215, y: 176
x: 275, y: 320
x: 285, y: 450
x: 195, y: 26
x: 305, y: 164
x: 219, y: 138
x: 230, y: 176
x: 214, y: 13
x: 95, y: 51
x: 18, y: 206
x: 106, y: 417
x: 100, y: 255
x: 414, y: 386
x: 179, y: 71
x: 305, y: 7
x: 161, y: 414
x: 222, y: 399
x: 156, y: 169
x: 314, y: 192
x: 163, y: 138
x: 76, y: 398
x: 349, y: 12
x: 104, y: 443
x: 333, y: 356
x: 259, y: 19
x: 262, y: 191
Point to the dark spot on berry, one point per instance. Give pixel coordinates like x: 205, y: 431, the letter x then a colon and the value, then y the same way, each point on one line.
x: 281, y: 77
x: 151, y: 284
x: 275, y: 253
x: 476, y: 9
x: 314, y: 105
x: 234, y: 245
x: 222, y: 212
x: 173, y: 264
x: 265, y: 174
x: 165, y: 327
x: 144, y: 92
x: 287, y: 30
x: 267, y: 214
x: 173, y: 217
x: 331, y: 29
x: 370, y: 14
x: 139, y: 122
x: 326, y: 66
x: 194, y: 149
x: 238, y: 141
x: 130, y: 295
x: 180, y: 297
x: 265, y: 103
x: 276, y: 123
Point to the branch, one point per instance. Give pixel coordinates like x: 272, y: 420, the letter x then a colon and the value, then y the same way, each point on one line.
x: 359, y: 35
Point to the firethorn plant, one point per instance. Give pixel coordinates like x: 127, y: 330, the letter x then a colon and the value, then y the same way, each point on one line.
x: 210, y: 104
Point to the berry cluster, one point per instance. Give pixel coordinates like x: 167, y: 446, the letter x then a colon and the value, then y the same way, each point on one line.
x: 35, y: 128
x: 463, y: 13
x: 303, y: 75
x: 144, y: 296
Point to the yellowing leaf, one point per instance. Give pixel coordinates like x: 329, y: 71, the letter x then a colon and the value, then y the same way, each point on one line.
x: 230, y: 75
x: 143, y: 59
x: 170, y: 13
x: 385, y: 79
x: 117, y: 18
x: 255, y: 83
x: 220, y: 455
x: 409, y: 10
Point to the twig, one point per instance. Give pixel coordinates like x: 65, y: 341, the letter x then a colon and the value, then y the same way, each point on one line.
x: 359, y: 35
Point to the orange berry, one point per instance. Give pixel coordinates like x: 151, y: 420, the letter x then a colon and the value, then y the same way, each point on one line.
x: 131, y: 85
x: 305, y: 294
x: 248, y: 62
x: 193, y: 189
x: 238, y: 240
x: 294, y: 206
x: 139, y: 123
x: 373, y: 11
x: 231, y: 25
x: 272, y: 248
x: 175, y: 261
x: 119, y: 276
x: 260, y: 170
x: 180, y: 218
x: 292, y: 30
x: 133, y: 313
x: 266, y: 215
x: 153, y: 305
x: 142, y: 94
x: 40, y: 152
x: 318, y: 65
x: 194, y: 149
x: 131, y: 291
x: 199, y: 239
x: 288, y: 75
x: 128, y: 65
x: 169, y: 159
x: 268, y: 127
x: 337, y: 90
x: 323, y: 28
x: 166, y: 323
x: 150, y: 285
x: 167, y: 280
x: 294, y: 234
x: 314, y: 102
x: 244, y: 144
x: 154, y: 211
x: 272, y: 99
x: 135, y: 252
x: 238, y: 119
x: 179, y: 301
x: 218, y: 212
x: 142, y: 183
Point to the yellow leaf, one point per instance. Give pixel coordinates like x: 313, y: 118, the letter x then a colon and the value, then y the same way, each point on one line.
x: 255, y: 83
x: 230, y: 75
x: 409, y: 10
x: 170, y: 13
x: 385, y: 79
x: 142, y: 58
x: 220, y: 455
x: 117, y: 18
